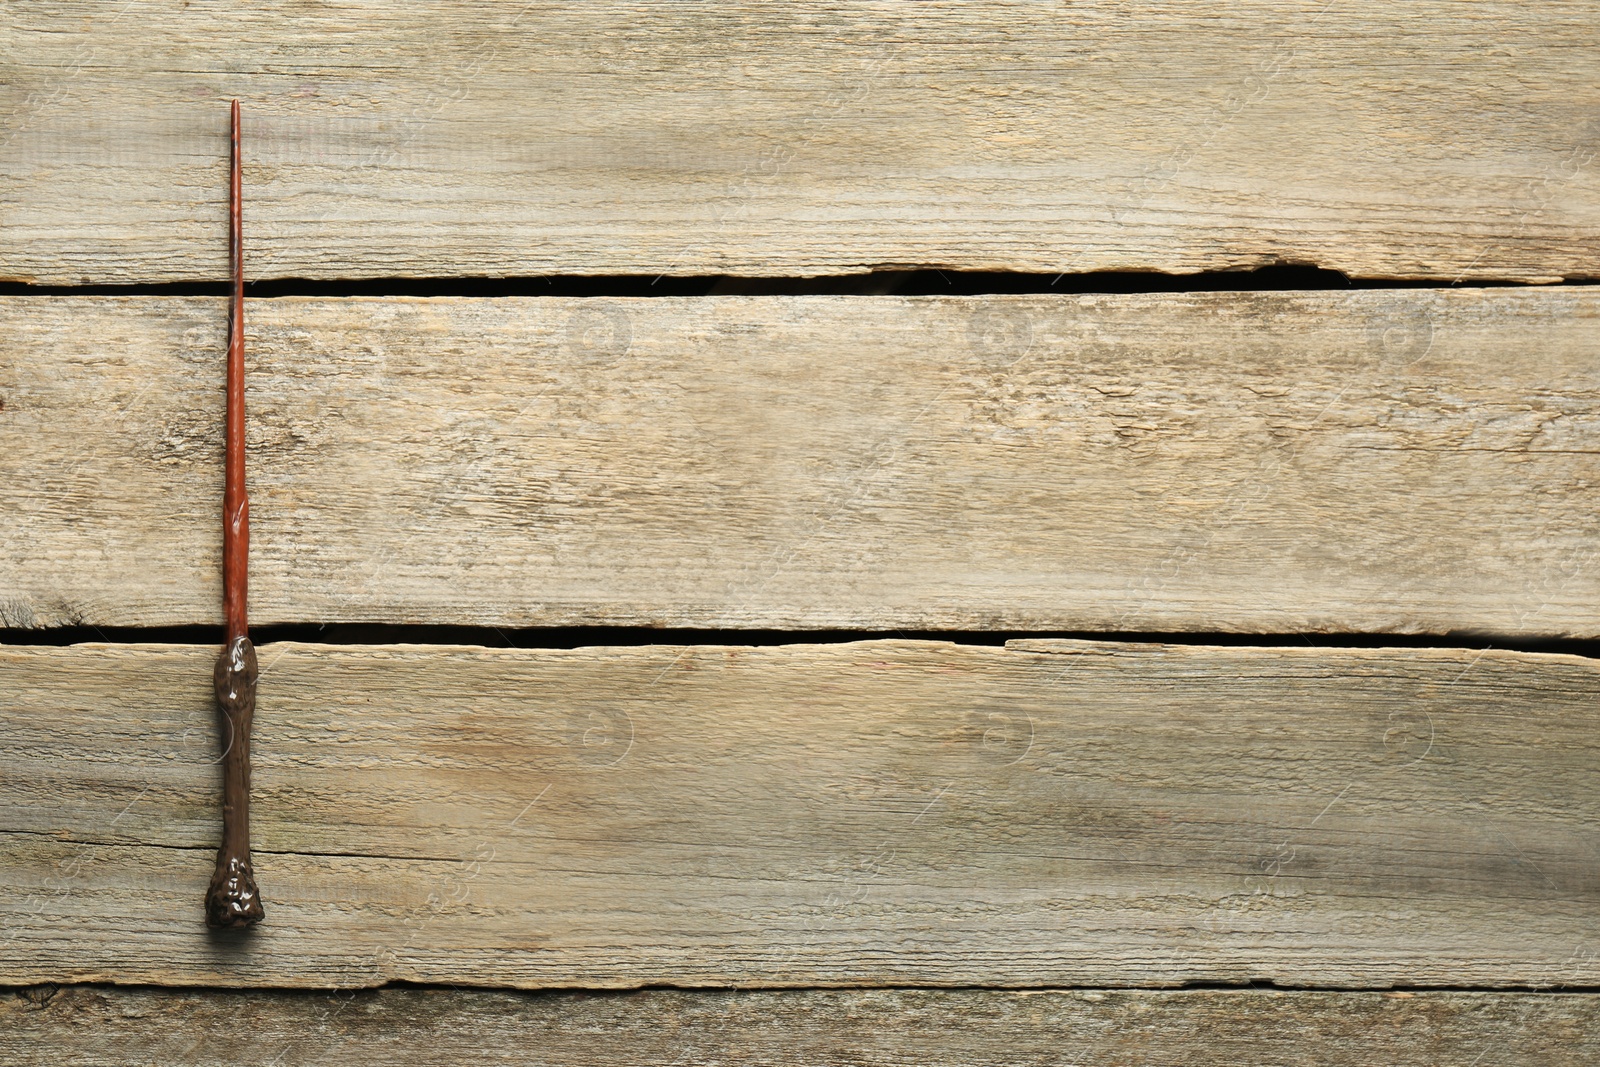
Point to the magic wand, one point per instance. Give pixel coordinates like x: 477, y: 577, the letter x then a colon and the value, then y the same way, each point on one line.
x: 233, y: 899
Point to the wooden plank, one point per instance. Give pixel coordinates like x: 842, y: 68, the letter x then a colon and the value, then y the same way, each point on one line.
x: 1406, y: 461
x: 457, y: 138
x: 89, y: 1027
x: 1051, y: 813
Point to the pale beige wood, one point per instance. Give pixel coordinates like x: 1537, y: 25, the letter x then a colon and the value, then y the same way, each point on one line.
x: 457, y: 138
x: 874, y: 813
x: 87, y: 1026
x: 1404, y: 460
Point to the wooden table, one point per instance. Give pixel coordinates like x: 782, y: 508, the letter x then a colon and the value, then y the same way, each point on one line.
x: 788, y: 534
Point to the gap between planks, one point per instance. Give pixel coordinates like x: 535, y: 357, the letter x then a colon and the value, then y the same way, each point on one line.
x: 886, y: 283
x: 339, y: 634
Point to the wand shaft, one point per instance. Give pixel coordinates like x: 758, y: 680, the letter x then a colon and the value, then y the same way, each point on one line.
x: 235, y: 501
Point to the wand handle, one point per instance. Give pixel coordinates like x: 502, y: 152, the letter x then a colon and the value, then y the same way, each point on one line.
x: 233, y: 899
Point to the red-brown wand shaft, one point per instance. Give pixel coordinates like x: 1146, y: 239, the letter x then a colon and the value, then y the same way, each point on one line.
x: 232, y: 899
x: 235, y: 501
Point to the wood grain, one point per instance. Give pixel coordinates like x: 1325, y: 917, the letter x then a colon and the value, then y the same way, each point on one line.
x: 1419, y: 461
x: 457, y: 138
x: 106, y: 1027
x: 1050, y: 813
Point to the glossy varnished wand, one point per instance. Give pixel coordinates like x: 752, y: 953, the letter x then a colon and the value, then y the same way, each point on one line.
x: 233, y: 899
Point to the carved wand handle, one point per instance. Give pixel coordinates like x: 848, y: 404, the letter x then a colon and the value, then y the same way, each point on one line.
x: 233, y: 899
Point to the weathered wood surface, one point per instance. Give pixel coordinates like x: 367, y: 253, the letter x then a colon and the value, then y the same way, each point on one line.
x: 456, y: 138
x: 1403, y: 461
x: 94, y: 1026
x: 1051, y: 813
